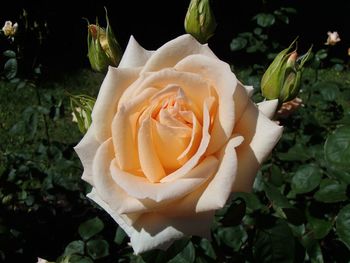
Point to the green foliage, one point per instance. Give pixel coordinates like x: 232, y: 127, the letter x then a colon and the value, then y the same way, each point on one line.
x: 257, y: 40
x: 90, y: 228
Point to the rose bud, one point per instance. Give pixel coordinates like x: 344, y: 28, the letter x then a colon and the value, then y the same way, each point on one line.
x: 82, y: 106
x: 282, y: 78
x: 9, y: 29
x: 333, y: 38
x: 103, y: 48
x: 200, y: 20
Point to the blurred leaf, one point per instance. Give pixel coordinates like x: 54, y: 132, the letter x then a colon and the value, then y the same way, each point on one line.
x: 234, y: 213
x: 275, y: 196
x: 329, y: 90
x: 321, y: 54
x: 233, y: 237
x: 119, y: 236
x: 337, y: 152
x: 274, y: 244
x: 208, y: 249
x: 90, y: 228
x: 74, y: 247
x: 331, y: 191
x: 276, y: 177
x: 9, y: 54
x: 296, y: 153
x: 315, y: 253
x: 79, y: 259
x: 97, y: 248
x: 187, y: 255
x: 306, y: 179
x: 320, y: 227
x: 251, y: 200
x: 294, y: 215
x: 343, y: 225
x: 258, y: 30
x: 238, y: 43
x: 265, y: 20
x: 289, y: 10
x: 10, y: 68
x: 338, y: 67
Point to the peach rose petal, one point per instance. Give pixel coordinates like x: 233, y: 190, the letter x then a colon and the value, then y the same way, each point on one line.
x: 241, y: 98
x: 217, y: 192
x: 194, y: 142
x: 193, y: 85
x: 120, y: 219
x: 113, y: 86
x: 149, y: 160
x: 155, y: 230
x: 191, y: 163
x: 214, y: 192
x: 173, y: 51
x: 224, y: 82
x: 104, y: 185
x: 86, y: 150
x: 134, y: 55
x: 139, y: 187
x: 268, y: 107
x: 249, y: 89
x: 165, y: 118
x: 124, y: 130
x: 169, y: 143
x: 260, y: 136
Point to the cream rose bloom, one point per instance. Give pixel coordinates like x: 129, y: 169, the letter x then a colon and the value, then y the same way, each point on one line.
x: 173, y: 134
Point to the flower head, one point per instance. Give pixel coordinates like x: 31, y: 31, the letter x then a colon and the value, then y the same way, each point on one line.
x: 173, y: 134
x: 333, y: 38
x: 10, y: 29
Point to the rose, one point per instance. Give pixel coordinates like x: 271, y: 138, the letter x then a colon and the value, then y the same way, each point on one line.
x: 173, y: 134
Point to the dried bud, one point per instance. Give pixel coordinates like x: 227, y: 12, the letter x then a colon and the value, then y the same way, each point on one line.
x: 200, y: 21
x: 282, y: 78
x: 103, y: 47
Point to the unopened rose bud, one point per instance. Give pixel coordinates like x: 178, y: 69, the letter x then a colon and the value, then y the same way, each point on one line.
x: 333, y: 38
x: 9, y: 29
x: 103, y: 47
x: 200, y: 21
x: 282, y: 78
x: 82, y: 106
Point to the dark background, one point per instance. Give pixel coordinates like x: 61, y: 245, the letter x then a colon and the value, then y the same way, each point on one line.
x: 155, y: 22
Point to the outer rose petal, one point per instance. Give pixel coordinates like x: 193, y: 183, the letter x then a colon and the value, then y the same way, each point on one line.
x: 268, y: 107
x: 214, y: 193
x: 134, y: 55
x: 86, y: 150
x: 113, y: 86
x: 175, y: 50
x: 141, y: 188
x: 155, y: 230
x: 104, y: 185
x: 260, y: 136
